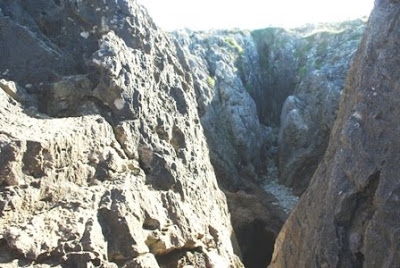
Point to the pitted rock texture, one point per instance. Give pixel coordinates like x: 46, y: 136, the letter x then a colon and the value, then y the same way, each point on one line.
x: 295, y: 78
x: 348, y: 217
x: 103, y: 160
x: 230, y: 67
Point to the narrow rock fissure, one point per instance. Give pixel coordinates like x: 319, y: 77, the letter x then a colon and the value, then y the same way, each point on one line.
x: 257, y: 244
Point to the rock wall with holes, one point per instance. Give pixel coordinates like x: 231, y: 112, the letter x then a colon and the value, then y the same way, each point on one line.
x: 349, y: 215
x: 103, y: 160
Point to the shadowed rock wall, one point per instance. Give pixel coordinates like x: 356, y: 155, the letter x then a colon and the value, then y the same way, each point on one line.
x: 348, y: 217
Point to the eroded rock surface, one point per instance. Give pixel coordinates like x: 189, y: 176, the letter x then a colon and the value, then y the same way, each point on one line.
x: 228, y: 113
x: 103, y: 160
x: 226, y: 68
x: 303, y: 72
x: 349, y: 215
x: 307, y: 117
x: 243, y: 80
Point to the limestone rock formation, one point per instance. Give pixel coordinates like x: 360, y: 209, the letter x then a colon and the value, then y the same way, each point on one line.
x: 230, y: 67
x: 349, y: 215
x: 307, y: 116
x: 225, y: 67
x: 103, y: 160
x: 228, y: 113
x: 303, y: 74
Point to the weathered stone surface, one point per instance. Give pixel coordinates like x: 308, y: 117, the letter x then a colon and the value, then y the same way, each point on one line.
x: 279, y: 65
x: 349, y: 215
x: 310, y: 65
x: 225, y: 69
x: 228, y: 113
x: 103, y: 158
x: 307, y: 117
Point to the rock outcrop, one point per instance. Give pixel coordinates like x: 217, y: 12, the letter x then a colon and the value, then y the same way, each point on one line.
x: 348, y: 217
x: 323, y: 56
x: 225, y: 67
x: 103, y: 160
x: 303, y: 73
x: 236, y: 139
x: 242, y: 80
x: 113, y: 133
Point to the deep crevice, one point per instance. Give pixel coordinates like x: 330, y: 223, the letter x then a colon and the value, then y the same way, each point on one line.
x: 257, y: 244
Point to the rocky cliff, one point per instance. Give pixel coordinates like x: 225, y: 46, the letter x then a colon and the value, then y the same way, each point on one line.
x: 114, y: 134
x: 225, y: 65
x: 348, y: 217
x: 103, y: 160
x: 250, y: 84
x: 242, y: 80
x: 228, y: 113
x: 303, y: 74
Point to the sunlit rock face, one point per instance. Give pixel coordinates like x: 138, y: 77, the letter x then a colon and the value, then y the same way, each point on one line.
x: 348, y: 217
x: 103, y: 160
x: 108, y: 126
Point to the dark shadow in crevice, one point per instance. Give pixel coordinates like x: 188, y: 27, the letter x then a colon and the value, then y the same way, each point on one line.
x: 257, y: 244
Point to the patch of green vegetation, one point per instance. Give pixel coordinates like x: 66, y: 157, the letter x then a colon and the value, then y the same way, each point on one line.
x: 267, y: 33
x: 356, y: 37
x: 210, y: 81
x: 303, y: 71
x: 234, y: 31
x: 232, y: 42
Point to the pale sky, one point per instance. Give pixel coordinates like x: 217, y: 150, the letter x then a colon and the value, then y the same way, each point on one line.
x: 251, y: 14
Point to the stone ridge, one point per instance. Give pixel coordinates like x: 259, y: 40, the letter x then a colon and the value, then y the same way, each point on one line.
x: 108, y: 126
x: 348, y: 217
x: 103, y: 160
x: 247, y: 83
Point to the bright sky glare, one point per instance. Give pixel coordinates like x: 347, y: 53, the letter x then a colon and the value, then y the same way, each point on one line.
x: 251, y: 14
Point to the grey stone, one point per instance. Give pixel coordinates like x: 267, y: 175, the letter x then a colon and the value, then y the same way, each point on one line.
x: 323, y: 59
x: 102, y: 82
x: 348, y: 216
